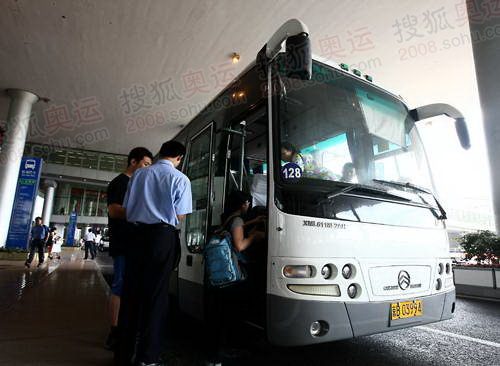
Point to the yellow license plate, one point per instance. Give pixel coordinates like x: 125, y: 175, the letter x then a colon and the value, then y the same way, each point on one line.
x: 406, y: 309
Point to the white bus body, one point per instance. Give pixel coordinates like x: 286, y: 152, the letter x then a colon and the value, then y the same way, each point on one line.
x: 391, y: 235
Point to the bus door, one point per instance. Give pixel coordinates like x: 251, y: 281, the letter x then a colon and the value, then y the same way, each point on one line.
x: 194, y: 231
x: 246, y: 170
x: 246, y: 162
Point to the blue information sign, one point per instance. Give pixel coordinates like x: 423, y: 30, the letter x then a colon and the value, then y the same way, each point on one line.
x: 27, y: 187
x: 70, y: 238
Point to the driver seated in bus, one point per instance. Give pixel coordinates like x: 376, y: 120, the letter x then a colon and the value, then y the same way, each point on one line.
x: 290, y: 154
x: 306, y: 162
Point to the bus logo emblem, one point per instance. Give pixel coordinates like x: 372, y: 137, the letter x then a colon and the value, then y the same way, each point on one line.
x: 403, y: 280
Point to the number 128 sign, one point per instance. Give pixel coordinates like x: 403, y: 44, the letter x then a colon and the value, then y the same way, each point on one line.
x: 291, y: 171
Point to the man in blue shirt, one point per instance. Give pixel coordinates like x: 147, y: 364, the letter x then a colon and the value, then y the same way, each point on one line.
x: 157, y: 198
x: 39, y: 236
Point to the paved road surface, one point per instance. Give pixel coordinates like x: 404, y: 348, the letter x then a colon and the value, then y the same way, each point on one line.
x: 472, y: 337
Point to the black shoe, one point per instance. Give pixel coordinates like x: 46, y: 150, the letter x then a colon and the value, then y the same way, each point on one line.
x: 27, y: 265
x: 50, y: 257
x: 111, y: 341
x: 39, y: 264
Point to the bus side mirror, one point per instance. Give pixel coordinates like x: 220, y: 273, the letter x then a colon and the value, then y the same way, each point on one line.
x: 298, y: 50
x: 298, y: 57
x: 433, y: 110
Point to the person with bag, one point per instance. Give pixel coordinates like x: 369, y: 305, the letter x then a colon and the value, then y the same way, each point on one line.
x: 225, y: 252
x: 226, y: 297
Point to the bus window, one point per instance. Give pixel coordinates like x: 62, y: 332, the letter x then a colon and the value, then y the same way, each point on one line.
x: 198, y: 171
x: 329, y: 158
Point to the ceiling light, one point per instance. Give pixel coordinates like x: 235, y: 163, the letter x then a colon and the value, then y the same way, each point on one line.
x: 235, y: 57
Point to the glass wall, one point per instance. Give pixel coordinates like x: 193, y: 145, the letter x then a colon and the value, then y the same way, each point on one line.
x: 86, y: 200
x: 77, y: 158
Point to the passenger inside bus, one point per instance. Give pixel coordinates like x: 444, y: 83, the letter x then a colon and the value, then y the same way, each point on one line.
x: 237, y: 207
x: 348, y: 174
x: 238, y: 301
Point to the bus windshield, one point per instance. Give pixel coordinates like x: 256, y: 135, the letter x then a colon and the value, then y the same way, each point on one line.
x: 338, y: 128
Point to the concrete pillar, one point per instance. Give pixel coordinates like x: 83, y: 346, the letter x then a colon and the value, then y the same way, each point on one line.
x: 12, y: 151
x: 48, y: 203
x: 485, y: 39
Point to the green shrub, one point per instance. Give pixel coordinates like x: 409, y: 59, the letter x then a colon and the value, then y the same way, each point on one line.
x: 482, y: 245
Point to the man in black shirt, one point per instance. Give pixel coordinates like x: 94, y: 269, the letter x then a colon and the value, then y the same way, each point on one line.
x: 138, y: 157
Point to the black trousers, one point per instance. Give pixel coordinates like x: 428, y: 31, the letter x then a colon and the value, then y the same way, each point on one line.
x: 142, y: 321
x: 36, y: 245
x: 90, y: 246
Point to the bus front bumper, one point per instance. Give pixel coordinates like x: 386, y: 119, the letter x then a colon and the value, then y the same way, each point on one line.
x: 289, y: 320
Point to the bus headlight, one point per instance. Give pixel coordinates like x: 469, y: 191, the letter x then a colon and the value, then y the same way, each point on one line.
x: 439, y: 284
x: 440, y: 268
x: 328, y: 271
x: 298, y: 271
x: 347, y: 271
x: 352, y: 291
x: 448, y: 267
x: 316, y: 290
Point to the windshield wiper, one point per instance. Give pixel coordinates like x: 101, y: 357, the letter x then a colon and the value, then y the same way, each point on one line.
x: 371, y: 189
x: 404, y: 185
x: 443, y: 215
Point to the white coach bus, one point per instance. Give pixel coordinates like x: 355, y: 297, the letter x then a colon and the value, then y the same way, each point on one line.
x: 356, y: 240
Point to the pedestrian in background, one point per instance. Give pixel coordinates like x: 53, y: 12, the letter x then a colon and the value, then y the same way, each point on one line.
x: 119, y: 232
x: 156, y: 200
x: 50, y: 241
x: 56, y: 243
x: 39, y: 235
x: 89, y: 239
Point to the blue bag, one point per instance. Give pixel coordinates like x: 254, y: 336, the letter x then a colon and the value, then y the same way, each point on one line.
x: 222, y: 261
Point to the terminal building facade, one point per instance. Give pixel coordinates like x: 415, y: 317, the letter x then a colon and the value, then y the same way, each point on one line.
x: 74, y: 181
